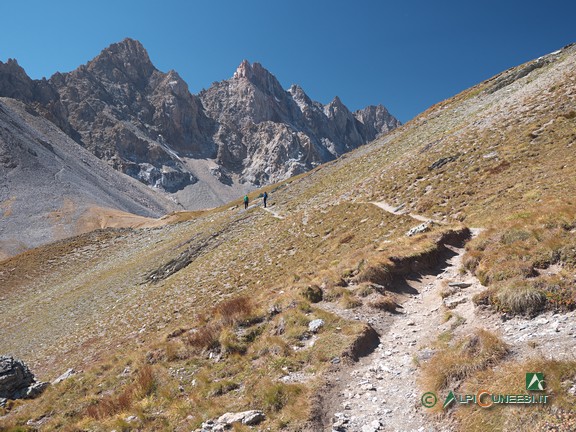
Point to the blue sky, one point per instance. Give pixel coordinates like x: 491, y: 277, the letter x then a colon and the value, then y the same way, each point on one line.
x: 405, y: 54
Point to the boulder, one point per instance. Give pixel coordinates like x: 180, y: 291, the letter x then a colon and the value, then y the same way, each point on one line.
x: 452, y: 303
x: 253, y: 418
x: 459, y: 284
x: 315, y: 325
x: 250, y: 418
x: 70, y: 372
x: 16, y: 380
x: 422, y: 228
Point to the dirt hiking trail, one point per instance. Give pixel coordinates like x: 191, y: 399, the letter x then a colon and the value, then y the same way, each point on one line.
x: 381, y: 391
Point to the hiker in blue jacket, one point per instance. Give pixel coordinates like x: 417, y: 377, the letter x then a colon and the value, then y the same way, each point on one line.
x: 245, y: 201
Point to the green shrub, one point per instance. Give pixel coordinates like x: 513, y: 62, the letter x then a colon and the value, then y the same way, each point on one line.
x: 313, y: 293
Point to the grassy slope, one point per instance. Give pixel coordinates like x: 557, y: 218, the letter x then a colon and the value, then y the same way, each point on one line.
x: 88, y: 304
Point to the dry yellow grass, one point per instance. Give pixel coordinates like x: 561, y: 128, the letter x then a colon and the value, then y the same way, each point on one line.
x: 461, y: 359
x: 513, y: 260
x: 386, y: 303
x: 510, y: 156
x: 509, y: 378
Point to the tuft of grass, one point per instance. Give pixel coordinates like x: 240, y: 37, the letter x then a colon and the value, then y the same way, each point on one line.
x: 235, y: 310
x: 480, y: 350
x: 378, y: 273
x: 385, y: 303
x: 364, y: 290
x: 272, y: 346
x: 230, y: 343
x: 334, y: 293
x: 274, y: 396
x: 349, y: 301
x: 520, y: 299
x: 144, y: 385
x: 483, y: 297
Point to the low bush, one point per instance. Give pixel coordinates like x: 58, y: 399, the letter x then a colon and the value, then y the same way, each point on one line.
x: 206, y: 337
x: 235, y: 310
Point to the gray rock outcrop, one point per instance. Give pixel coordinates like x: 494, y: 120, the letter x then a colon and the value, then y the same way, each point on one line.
x: 226, y: 421
x: 16, y: 380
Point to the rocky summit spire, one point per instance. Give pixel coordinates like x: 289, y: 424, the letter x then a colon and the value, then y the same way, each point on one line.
x: 14, y: 82
x: 260, y: 77
x: 244, y: 70
x: 129, y: 50
x: 123, y: 61
x: 376, y: 121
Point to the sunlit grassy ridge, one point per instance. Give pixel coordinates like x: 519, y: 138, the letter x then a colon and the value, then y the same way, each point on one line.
x: 114, y: 310
x: 500, y: 160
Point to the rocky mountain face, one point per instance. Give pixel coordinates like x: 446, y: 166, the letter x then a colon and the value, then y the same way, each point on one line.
x: 266, y: 133
x: 147, y: 124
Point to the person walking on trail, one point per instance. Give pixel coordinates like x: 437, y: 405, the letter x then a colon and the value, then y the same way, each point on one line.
x: 245, y: 201
x: 265, y: 196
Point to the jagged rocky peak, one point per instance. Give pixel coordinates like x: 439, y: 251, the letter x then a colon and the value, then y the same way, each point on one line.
x: 174, y: 84
x: 244, y: 70
x: 14, y: 82
x: 143, y: 121
x: 371, y: 113
x: 376, y: 121
x: 336, y: 104
x: 299, y: 95
x: 124, y: 61
x: 250, y: 71
x: 337, y: 110
x: 260, y: 77
x: 12, y: 66
x: 128, y: 50
x: 296, y: 90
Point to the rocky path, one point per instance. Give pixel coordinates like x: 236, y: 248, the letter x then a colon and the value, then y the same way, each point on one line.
x: 398, y: 211
x: 273, y: 213
x: 381, y: 392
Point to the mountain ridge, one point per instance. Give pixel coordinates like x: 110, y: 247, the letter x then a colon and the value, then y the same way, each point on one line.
x: 144, y: 122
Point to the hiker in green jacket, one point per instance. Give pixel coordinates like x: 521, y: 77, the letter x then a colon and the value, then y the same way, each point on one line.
x: 245, y: 201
